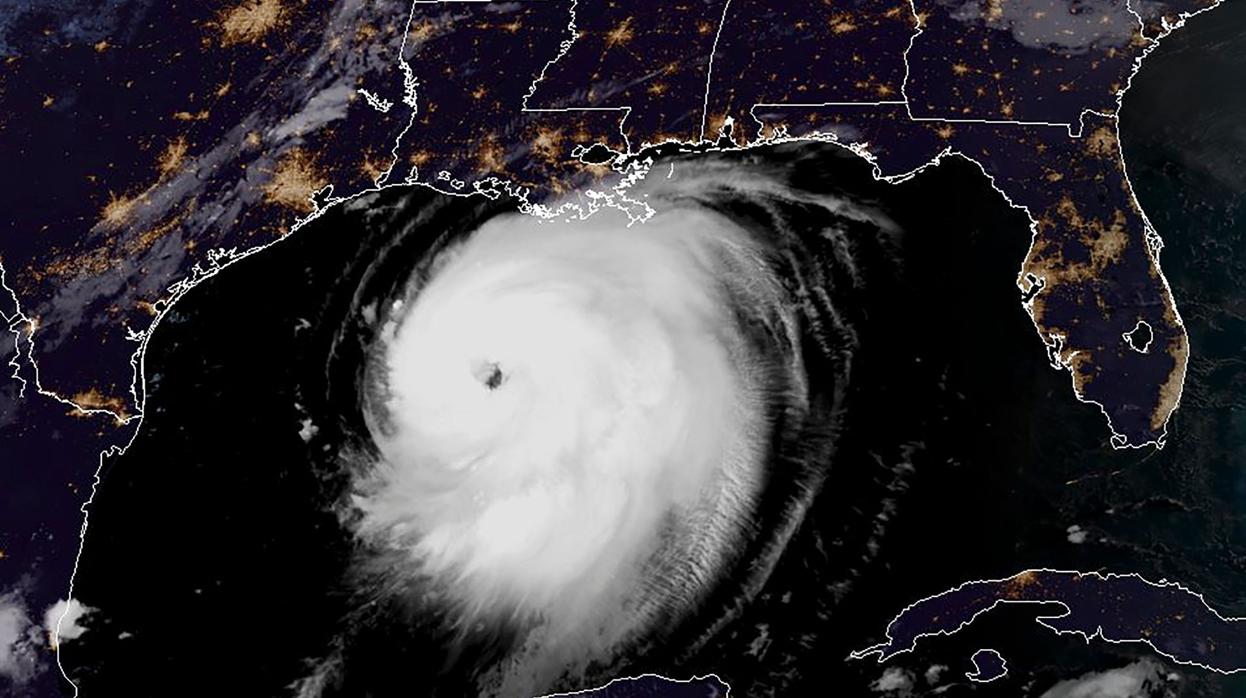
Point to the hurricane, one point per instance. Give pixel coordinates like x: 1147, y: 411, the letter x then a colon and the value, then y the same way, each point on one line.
x: 570, y: 410
x: 584, y: 437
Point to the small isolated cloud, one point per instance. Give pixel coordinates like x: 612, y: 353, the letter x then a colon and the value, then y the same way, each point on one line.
x: 1137, y: 680
x: 20, y: 642
x: 1077, y: 535
x: 894, y: 681
x: 61, y: 620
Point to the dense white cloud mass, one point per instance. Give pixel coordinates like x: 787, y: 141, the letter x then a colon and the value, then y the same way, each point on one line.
x: 20, y: 642
x: 1131, y: 681
x: 572, y: 429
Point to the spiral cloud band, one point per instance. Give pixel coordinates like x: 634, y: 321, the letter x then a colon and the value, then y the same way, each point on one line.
x: 590, y: 438
x: 573, y: 420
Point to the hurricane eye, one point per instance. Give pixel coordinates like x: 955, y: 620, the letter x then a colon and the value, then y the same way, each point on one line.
x: 489, y: 374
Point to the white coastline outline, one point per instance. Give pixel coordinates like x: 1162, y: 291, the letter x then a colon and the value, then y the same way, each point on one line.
x: 879, y: 649
x: 1130, y: 340
x: 1154, y: 243
x: 647, y: 675
x: 977, y: 670
x: 220, y: 258
x: 1050, y: 341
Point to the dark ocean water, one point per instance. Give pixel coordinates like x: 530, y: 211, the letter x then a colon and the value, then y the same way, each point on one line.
x: 1184, y: 134
x: 1185, y: 145
x: 218, y: 566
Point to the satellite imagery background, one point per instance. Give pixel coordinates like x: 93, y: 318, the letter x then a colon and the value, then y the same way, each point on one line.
x: 987, y: 256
